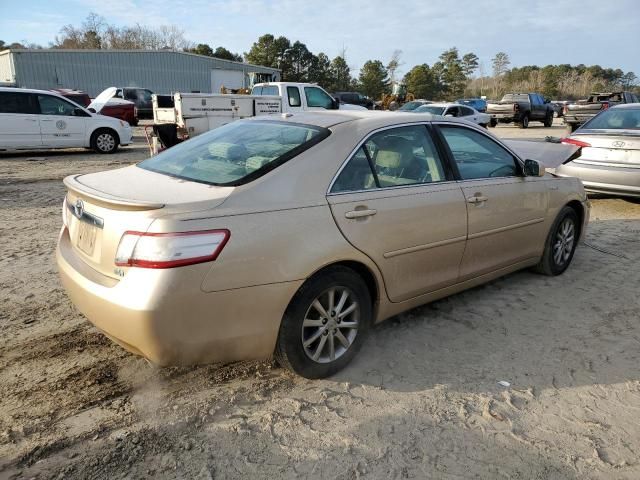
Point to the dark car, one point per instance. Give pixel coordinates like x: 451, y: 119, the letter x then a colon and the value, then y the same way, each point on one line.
x: 520, y: 108
x: 476, y: 103
x: 354, y: 98
x: 141, y: 97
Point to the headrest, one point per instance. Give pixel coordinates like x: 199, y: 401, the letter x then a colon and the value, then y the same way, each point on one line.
x: 254, y: 163
x: 394, y: 152
x: 229, y: 151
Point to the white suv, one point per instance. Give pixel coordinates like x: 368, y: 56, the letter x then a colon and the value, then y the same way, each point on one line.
x: 37, y: 119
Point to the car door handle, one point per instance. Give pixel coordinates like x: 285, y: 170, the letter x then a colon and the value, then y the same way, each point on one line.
x: 31, y: 119
x: 360, y: 213
x: 477, y: 198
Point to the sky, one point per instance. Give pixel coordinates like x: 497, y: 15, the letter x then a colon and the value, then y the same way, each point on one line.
x: 531, y: 32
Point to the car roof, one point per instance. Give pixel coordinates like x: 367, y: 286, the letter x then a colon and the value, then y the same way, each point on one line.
x: 369, y: 119
x: 629, y: 106
x: 28, y: 90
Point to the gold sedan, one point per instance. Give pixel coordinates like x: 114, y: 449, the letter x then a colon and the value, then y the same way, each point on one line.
x: 292, y: 235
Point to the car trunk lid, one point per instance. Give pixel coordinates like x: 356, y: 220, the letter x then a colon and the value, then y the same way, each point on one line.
x: 621, y: 147
x: 100, y: 207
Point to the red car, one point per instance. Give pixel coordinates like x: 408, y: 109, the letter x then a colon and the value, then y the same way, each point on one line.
x: 112, y: 107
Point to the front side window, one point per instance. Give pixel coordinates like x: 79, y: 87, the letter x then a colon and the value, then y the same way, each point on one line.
x: 317, y: 98
x: 55, y: 106
x: 294, y: 96
x: 236, y: 153
x: 15, y: 102
x: 478, y: 156
x: 391, y: 158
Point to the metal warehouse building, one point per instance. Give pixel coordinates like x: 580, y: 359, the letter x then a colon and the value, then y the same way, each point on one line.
x: 162, y: 71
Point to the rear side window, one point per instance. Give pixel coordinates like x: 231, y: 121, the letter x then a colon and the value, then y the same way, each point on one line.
x: 265, y: 90
x: 477, y: 155
x: 391, y: 158
x: 236, y: 153
x: 294, y: 96
x: 16, y: 102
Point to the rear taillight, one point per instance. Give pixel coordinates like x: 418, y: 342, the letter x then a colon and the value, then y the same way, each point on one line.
x: 573, y: 141
x: 605, y: 105
x: 516, y: 107
x: 168, y: 250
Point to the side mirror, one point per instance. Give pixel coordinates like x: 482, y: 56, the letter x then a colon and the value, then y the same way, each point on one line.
x: 533, y: 168
x: 335, y: 104
x: 92, y: 110
x: 79, y: 112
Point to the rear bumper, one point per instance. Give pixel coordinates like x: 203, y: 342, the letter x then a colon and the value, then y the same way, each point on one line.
x: 164, y: 316
x: 505, y: 117
x: 612, y: 180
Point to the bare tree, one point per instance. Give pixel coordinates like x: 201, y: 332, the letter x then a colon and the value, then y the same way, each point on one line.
x: 394, y: 64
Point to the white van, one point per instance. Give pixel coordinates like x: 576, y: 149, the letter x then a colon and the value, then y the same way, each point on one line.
x: 38, y: 119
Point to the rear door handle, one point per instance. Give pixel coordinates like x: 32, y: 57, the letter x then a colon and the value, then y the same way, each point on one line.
x: 360, y: 213
x: 477, y: 198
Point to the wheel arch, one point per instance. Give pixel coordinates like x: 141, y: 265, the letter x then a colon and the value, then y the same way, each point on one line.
x: 579, y: 209
x: 110, y: 129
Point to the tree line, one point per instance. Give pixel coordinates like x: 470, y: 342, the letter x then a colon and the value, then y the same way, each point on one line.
x: 452, y: 76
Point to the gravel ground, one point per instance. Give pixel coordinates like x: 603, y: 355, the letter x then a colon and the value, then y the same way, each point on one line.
x: 422, y: 399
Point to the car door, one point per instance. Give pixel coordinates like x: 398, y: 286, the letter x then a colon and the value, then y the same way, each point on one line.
x: 19, y: 122
x: 62, y: 124
x: 396, y: 201
x: 317, y: 99
x: 505, y: 210
x: 468, y: 114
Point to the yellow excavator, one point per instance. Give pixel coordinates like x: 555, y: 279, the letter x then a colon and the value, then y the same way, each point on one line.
x: 397, y: 97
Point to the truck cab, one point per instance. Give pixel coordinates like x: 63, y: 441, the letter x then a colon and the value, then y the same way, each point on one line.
x: 298, y: 97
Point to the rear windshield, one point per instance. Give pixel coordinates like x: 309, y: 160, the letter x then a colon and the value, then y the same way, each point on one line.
x: 515, y: 97
x: 615, y: 119
x: 267, y: 90
x: 236, y: 153
x: 430, y: 109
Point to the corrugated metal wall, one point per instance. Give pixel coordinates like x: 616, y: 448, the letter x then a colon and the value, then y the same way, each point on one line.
x: 7, y: 75
x: 94, y: 70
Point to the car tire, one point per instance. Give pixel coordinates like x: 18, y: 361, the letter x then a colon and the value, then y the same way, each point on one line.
x: 572, y: 127
x: 104, y: 141
x: 524, y: 121
x: 560, y: 244
x: 548, y: 121
x: 556, y: 114
x: 493, y: 122
x: 314, y: 342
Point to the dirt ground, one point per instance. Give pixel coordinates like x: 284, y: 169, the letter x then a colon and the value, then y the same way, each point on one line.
x: 421, y: 400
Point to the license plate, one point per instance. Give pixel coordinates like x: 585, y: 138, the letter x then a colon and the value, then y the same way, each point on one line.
x: 87, y: 237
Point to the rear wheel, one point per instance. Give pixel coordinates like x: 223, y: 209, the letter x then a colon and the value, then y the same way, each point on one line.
x: 561, y: 243
x: 573, y: 127
x: 493, y: 122
x: 325, y: 324
x: 524, y: 121
x: 104, y: 140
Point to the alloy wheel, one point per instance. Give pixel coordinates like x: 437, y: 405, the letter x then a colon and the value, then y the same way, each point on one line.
x: 330, y: 325
x: 105, y: 142
x: 563, y: 244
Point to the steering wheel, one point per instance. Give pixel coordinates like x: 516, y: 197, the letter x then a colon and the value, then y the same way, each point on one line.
x: 494, y: 173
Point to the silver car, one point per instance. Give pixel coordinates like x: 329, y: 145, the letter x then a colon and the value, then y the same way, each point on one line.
x: 610, y: 159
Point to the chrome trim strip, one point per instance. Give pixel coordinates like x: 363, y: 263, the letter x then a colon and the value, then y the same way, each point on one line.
x: 597, y: 163
x: 427, y: 246
x: 396, y: 187
x: 86, y: 217
x: 504, y: 229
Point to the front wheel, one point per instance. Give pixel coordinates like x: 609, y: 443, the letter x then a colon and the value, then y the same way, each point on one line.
x: 548, y: 121
x: 493, y: 122
x: 104, y: 141
x: 561, y: 243
x: 325, y: 324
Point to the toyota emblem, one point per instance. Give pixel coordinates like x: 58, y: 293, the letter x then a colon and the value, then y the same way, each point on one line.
x: 618, y: 144
x: 78, y: 208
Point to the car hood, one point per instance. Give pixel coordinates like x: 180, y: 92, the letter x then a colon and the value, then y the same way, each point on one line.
x: 134, y: 188
x: 551, y: 155
x: 102, y: 99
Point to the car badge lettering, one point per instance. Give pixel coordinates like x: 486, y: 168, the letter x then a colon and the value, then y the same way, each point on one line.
x: 61, y: 124
x: 78, y: 208
x: 618, y: 144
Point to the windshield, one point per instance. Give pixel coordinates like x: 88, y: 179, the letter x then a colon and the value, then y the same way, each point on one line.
x: 615, y: 119
x: 236, y: 153
x: 429, y: 109
x: 409, y: 106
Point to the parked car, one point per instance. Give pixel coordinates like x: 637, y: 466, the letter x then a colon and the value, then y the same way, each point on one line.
x: 141, y: 97
x: 354, y: 98
x: 520, y: 108
x: 610, y: 159
x: 108, y: 104
x: 81, y: 98
x: 113, y: 107
x: 41, y: 119
x: 576, y: 114
x: 412, y: 105
x: 476, y: 103
x: 455, y: 110
x: 292, y: 235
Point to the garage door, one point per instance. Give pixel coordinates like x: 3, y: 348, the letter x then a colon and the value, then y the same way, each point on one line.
x: 229, y: 78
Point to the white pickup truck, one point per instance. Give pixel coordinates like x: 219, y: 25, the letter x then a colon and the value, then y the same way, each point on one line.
x: 185, y: 115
